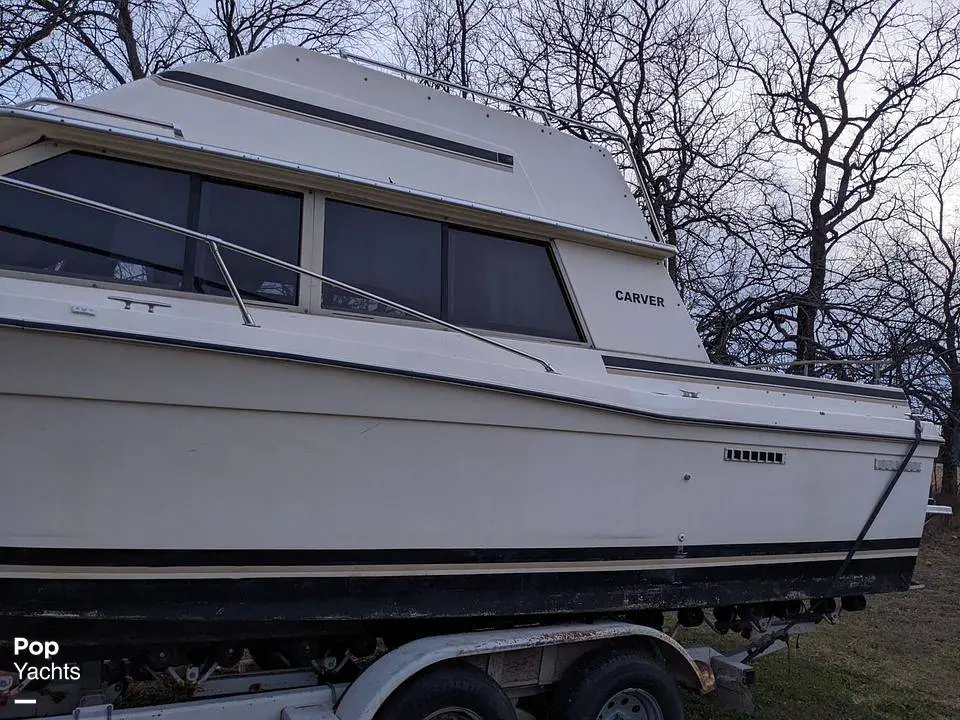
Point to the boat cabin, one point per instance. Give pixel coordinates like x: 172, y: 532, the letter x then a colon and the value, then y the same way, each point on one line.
x: 462, y: 212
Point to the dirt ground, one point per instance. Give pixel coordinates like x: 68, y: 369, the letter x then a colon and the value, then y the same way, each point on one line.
x: 900, y: 659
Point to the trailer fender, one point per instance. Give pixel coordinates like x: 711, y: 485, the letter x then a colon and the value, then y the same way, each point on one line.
x: 367, y: 693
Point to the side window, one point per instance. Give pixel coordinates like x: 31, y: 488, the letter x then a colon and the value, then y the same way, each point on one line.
x: 468, y: 278
x: 501, y: 284
x: 50, y: 235
x: 44, y: 234
x: 268, y: 222
x: 395, y: 256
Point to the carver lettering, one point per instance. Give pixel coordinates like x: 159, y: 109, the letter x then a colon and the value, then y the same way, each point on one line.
x: 638, y: 298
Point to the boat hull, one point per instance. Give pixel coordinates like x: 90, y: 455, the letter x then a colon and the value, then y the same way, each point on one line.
x: 99, y: 612
x: 148, y: 484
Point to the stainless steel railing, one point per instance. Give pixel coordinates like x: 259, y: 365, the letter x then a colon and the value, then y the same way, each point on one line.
x: 805, y: 365
x: 28, y: 104
x: 215, y: 244
x: 546, y: 114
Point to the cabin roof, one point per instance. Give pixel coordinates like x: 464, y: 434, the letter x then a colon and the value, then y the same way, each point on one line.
x: 292, y: 105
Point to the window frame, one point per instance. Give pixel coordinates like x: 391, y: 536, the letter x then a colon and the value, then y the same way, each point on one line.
x: 318, y: 259
x: 447, y: 223
x: 263, y: 188
x: 313, y: 202
x: 46, y: 150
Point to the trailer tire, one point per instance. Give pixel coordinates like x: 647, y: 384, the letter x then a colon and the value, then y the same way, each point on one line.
x: 622, y: 680
x: 463, y: 690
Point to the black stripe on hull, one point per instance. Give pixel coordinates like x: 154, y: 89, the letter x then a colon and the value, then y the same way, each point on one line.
x: 103, y: 612
x: 153, y: 558
x: 330, y: 362
x: 719, y: 372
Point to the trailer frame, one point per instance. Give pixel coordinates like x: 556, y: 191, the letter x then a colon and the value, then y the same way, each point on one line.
x: 523, y: 661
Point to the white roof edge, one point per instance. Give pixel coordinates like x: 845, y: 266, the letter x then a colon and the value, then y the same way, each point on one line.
x: 59, y: 121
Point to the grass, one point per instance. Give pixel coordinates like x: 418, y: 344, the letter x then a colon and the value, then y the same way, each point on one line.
x: 899, y: 660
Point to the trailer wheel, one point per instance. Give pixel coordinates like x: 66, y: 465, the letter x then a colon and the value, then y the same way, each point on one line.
x: 451, y: 691
x: 620, y: 684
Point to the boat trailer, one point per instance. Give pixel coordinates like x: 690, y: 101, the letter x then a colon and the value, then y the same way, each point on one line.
x: 521, y: 663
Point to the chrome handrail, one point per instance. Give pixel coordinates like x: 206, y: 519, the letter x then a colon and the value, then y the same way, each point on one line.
x: 614, y: 135
x: 215, y: 243
x: 805, y: 364
x: 28, y: 104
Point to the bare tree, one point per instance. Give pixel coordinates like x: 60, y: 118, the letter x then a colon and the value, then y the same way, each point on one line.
x: 25, y: 25
x: 446, y: 39
x: 97, y: 44
x: 232, y: 28
x: 917, y: 260
x: 71, y: 48
x: 849, y: 92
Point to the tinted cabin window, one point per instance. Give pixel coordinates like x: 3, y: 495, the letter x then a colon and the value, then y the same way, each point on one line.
x: 267, y: 222
x: 501, y: 284
x: 44, y: 234
x: 395, y: 256
x: 468, y: 278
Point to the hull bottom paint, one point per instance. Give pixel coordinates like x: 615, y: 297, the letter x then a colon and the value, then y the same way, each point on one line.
x: 114, y: 612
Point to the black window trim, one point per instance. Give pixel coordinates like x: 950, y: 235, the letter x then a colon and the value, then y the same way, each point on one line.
x: 197, y: 179
x: 445, y: 226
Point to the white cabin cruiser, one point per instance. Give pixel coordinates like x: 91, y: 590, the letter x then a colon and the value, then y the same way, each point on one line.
x: 189, y: 454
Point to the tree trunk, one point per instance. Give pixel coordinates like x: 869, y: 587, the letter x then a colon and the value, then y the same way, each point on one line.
x: 809, y: 305
x: 670, y: 232
x: 950, y: 452
x: 462, y: 11
x: 127, y: 35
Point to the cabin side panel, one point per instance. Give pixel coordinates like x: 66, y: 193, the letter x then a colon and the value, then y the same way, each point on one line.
x: 297, y: 106
x: 629, y: 303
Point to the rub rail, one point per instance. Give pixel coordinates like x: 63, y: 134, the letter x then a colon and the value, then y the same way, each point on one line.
x: 216, y: 244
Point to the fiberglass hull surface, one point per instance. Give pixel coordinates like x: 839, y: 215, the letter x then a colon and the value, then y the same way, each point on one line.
x: 155, y: 485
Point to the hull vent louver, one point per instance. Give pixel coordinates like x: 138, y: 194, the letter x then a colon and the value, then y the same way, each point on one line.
x: 752, y: 455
